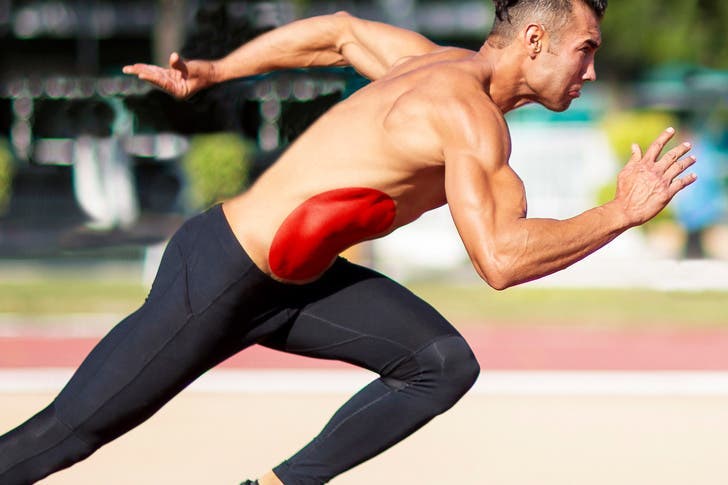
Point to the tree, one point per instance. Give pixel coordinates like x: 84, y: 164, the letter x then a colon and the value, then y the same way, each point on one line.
x: 642, y: 34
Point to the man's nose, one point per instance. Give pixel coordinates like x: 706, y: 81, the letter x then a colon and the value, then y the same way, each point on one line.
x: 591, y: 73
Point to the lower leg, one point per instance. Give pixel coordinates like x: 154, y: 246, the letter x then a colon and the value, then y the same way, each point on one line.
x: 126, y: 378
x: 385, y: 412
x: 358, y: 316
x: 192, y: 320
x: 39, y: 447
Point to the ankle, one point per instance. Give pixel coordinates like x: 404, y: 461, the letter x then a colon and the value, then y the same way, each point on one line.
x: 270, y: 478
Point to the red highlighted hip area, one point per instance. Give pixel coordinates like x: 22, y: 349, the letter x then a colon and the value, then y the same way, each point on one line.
x: 324, y: 225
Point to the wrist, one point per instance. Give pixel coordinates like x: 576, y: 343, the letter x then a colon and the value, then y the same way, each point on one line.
x: 215, y: 72
x: 618, y: 215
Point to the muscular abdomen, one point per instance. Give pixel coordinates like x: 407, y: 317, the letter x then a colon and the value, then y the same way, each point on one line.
x: 321, y: 227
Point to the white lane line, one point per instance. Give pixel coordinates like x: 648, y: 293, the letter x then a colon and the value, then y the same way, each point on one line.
x: 659, y: 383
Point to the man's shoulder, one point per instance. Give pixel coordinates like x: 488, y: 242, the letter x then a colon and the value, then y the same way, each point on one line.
x: 438, y: 61
x: 470, y: 110
x: 447, y: 93
x: 448, y: 85
x: 472, y: 123
x: 455, y: 83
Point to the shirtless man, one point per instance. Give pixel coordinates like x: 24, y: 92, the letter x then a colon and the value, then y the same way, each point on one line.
x: 263, y: 267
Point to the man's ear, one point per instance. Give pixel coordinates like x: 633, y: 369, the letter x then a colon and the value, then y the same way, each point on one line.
x: 533, y: 37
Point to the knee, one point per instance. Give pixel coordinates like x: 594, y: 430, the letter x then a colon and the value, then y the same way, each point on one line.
x: 443, y: 372
x: 452, y: 367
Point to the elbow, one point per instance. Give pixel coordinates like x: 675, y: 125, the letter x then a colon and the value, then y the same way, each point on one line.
x: 499, y: 285
x: 497, y: 271
x: 499, y: 282
x: 342, y: 18
x: 341, y: 22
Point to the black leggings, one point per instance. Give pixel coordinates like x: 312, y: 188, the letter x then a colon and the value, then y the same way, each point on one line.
x: 210, y: 301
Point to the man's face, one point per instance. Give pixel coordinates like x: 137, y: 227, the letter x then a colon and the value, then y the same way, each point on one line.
x: 566, y: 61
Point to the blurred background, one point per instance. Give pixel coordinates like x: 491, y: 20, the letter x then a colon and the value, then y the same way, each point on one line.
x: 97, y: 170
x: 97, y: 167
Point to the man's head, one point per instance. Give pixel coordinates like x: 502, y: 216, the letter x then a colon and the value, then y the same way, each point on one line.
x: 553, y: 42
x: 511, y: 16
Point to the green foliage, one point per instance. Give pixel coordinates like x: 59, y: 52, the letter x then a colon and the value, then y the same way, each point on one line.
x: 641, y: 127
x: 216, y: 167
x: 641, y: 34
x: 625, y: 308
x: 6, y: 176
x: 301, y: 6
x: 59, y: 295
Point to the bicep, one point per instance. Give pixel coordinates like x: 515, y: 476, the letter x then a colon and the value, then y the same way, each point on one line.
x: 372, y: 48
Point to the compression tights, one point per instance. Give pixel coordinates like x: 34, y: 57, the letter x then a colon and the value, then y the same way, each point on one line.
x: 210, y: 301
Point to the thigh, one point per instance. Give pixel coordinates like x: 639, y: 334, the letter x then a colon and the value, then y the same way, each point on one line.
x: 357, y: 315
x: 206, y: 304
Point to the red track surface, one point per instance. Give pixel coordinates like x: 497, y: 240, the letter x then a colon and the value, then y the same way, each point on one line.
x: 532, y: 348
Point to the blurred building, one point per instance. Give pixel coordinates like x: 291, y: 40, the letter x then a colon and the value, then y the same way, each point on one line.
x: 95, y: 149
x: 62, y: 109
x: 95, y: 153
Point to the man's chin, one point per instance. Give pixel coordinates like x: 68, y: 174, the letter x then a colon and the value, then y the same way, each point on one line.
x: 558, y: 107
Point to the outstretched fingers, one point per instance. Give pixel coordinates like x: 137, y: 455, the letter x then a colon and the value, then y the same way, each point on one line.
x: 172, y: 79
x: 670, y: 158
x: 132, y: 69
x: 163, y: 78
x: 146, y: 72
x: 658, y: 145
x: 674, y: 169
x: 648, y: 183
x: 673, y: 164
x: 680, y: 183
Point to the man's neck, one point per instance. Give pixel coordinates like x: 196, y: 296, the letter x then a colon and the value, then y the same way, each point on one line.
x: 503, y: 80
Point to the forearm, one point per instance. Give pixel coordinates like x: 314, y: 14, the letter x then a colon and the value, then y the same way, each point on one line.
x: 532, y: 248
x: 304, y: 43
x: 488, y: 203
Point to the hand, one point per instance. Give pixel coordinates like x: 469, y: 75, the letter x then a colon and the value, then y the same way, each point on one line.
x: 182, y: 79
x: 648, y: 183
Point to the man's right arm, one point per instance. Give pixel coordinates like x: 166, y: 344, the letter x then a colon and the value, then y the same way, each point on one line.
x: 339, y: 39
x: 328, y: 40
x: 488, y: 203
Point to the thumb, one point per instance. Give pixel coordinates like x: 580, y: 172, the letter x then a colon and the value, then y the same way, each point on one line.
x: 636, y: 153
x: 175, y: 61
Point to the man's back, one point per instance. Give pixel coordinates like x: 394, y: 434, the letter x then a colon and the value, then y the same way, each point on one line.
x: 384, y: 137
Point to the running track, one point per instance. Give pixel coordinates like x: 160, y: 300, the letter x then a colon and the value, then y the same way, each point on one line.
x: 497, y: 348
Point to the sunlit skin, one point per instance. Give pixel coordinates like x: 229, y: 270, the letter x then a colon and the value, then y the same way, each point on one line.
x: 428, y: 131
x: 568, y: 63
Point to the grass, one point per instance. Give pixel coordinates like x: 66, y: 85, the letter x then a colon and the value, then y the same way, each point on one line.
x: 59, y: 296
x: 593, y: 307
x: 463, y: 305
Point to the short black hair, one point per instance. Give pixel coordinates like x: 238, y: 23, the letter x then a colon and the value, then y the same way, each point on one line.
x: 553, y: 14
